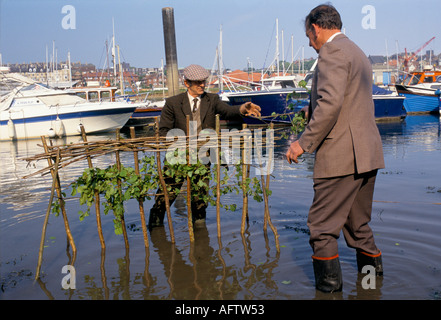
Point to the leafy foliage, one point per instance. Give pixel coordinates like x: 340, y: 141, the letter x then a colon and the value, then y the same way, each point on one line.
x: 118, y: 186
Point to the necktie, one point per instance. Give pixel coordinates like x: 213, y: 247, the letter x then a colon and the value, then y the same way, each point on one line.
x: 195, y: 104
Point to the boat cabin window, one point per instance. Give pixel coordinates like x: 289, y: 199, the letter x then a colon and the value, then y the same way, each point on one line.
x: 81, y: 94
x: 438, y: 79
x: 287, y: 84
x: 412, y: 80
x: 92, y: 96
x: 428, y: 79
x: 105, y: 96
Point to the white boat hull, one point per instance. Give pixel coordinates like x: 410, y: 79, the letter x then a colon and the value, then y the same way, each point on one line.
x: 28, y: 122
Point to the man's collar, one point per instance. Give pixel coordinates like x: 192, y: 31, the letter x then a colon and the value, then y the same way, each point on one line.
x: 333, y: 36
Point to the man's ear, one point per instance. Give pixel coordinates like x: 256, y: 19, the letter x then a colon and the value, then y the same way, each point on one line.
x: 316, y: 29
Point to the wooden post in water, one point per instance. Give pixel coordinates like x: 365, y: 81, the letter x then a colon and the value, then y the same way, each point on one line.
x: 140, y: 201
x: 118, y: 166
x: 60, y: 198
x: 97, y: 196
x: 171, y: 56
x: 244, y: 178
x: 265, y: 187
x: 163, y: 185
x: 190, y: 216
x: 46, y: 219
x: 218, y: 164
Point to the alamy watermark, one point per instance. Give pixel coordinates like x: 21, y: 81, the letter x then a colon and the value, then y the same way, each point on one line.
x: 69, y: 280
x: 69, y: 21
x: 370, y: 18
x: 369, y: 280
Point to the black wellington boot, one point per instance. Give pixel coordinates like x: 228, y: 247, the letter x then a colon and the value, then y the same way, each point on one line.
x: 327, y: 274
x: 156, y: 218
x: 364, y: 259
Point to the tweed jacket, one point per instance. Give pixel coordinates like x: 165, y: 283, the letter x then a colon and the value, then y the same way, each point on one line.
x: 341, y: 129
x: 176, y: 108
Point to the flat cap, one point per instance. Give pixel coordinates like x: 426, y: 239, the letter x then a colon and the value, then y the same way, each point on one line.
x: 195, y: 72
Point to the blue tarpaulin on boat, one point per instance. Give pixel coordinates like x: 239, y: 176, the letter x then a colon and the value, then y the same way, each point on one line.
x: 378, y: 90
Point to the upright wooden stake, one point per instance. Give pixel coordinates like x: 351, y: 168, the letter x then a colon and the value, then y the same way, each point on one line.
x: 265, y: 187
x: 140, y: 201
x: 163, y: 185
x: 118, y: 166
x: 97, y: 196
x: 244, y: 188
x: 190, y: 216
x: 218, y: 163
x: 60, y: 198
x: 46, y: 219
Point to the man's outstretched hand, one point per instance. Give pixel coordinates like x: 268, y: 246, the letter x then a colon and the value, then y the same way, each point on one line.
x: 250, y: 109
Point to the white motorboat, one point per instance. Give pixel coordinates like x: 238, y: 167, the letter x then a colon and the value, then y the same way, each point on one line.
x: 33, y: 110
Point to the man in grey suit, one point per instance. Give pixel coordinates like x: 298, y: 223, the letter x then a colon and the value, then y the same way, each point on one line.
x: 342, y: 132
x: 202, y: 108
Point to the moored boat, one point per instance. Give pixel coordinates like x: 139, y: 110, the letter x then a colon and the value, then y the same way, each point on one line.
x: 146, y: 114
x: 277, y: 107
x: 419, y: 89
x: 388, y: 105
x: 34, y: 110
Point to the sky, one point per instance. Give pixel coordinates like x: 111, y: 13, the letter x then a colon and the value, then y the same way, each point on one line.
x: 28, y: 27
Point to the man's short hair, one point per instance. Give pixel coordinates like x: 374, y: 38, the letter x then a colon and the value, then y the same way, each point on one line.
x: 325, y: 16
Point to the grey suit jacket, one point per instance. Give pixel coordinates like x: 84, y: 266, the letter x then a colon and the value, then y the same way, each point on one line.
x: 176, y: 109
x: 342, y: 129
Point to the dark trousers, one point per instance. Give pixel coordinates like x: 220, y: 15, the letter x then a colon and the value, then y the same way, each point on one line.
x: 198, y: 205
x: 342, y: 203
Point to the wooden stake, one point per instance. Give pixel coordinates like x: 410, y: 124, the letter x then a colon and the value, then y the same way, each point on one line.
x: 46, y: 219
x: 97, y: 196
x: 244, y: 189
x: 163, y: 185
x: 118, y: 166
x: 218, y: 164
x: 140, y: 201
x: 190, y: 217
x: 265, y: 187
x: 60, y: 199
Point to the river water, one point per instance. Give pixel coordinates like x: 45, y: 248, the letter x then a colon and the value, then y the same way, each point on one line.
x: 406, y: 220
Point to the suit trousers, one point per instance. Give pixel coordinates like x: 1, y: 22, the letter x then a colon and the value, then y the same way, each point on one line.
x: 342, y: 203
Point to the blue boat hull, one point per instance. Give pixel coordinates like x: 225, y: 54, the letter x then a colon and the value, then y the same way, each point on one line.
x: 419, y: 103
x: 270, y: 103
x: 386, y: 107
x: 143, y: 116
x: 389, y: 108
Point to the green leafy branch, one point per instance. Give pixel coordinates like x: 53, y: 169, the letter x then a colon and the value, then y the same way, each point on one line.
x: 118, y: 186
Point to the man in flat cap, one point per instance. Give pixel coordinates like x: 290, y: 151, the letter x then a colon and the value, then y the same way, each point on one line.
x: 202, y: 108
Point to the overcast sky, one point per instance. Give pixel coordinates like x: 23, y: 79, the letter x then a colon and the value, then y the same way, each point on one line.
x: 27, y: 27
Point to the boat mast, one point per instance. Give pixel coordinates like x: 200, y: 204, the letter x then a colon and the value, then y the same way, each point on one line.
x: 114, y: 52
x: 277, y: 45
x: 292, y: 54
x: 162, y: 75
x: 121, y: 83
x: 220, y: 63
x: 70, y: 69
x: 47, y: 68
x: 283, y: 54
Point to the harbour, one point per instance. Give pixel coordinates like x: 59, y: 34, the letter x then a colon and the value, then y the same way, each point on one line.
x: 82, y: 161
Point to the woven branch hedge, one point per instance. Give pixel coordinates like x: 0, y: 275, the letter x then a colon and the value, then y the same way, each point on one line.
x: 118, y: 183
